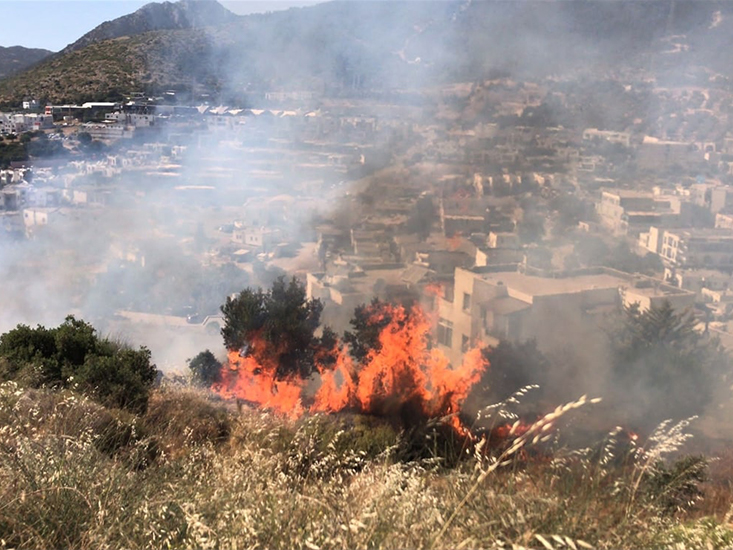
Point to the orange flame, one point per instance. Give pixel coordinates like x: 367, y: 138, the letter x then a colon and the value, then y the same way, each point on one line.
x: 402, y: 370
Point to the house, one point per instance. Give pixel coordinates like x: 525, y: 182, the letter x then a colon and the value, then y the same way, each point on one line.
x: 488, y: 305
x: 627, y: 212
x: 344, y: 286
x: 623, y: 138
x: 263, y: 238
x: 500, y: 248
x: 703, y: 248
x: 40, y: 216
x: 654, y: 153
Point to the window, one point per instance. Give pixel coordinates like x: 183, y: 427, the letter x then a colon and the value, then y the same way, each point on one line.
x: 466, y: 301
x: 445, y: 332
x: 465, y: 343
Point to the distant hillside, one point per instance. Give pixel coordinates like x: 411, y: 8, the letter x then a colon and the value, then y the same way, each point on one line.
x: 17, y: 58
x: 365, y: 45
x: 105, y: 69
x: 186, y: 14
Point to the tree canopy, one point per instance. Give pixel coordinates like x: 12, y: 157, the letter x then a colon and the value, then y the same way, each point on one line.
x: 659, y: 357
x: 205, y: 369
x: 283, y: 317
x: 72, y: 355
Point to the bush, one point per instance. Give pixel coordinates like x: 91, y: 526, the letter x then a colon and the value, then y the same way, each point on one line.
x: 73, y: 355
x: 205, y: 369
x: 181, y: 419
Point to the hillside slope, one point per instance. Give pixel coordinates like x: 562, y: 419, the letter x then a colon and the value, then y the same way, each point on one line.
x: 16, y: 58
x: 185, y: 14
x: 361, y: 45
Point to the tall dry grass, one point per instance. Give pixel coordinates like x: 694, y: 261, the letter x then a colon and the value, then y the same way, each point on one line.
x: 196, y: 473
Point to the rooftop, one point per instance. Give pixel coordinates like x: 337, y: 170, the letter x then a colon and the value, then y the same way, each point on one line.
x: 547, y: 286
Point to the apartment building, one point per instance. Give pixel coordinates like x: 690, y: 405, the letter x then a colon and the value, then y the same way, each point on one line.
x: 488, y: 305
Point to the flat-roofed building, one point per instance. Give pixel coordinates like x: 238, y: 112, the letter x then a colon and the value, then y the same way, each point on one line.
x: 488, y: 305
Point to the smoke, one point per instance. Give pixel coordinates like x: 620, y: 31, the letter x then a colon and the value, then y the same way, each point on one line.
x: 366, y: 114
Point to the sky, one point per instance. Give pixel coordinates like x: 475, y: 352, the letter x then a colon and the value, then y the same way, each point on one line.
x: 53, y: 24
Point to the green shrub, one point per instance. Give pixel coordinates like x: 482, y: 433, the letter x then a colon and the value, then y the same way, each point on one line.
x: 73, y: 355
x: 205, y: 369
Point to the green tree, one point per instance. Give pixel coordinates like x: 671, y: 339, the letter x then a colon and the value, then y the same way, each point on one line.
x: 85, y: 138
x: 73, y: 355
x: 122, y: 378
x: 367, y: 324
x: 531, y: 229
x: 663, y: 365
x: 283, y: 317
x: 205, y: 369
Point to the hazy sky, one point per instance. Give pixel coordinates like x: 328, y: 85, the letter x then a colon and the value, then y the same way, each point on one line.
x: 53, y: 24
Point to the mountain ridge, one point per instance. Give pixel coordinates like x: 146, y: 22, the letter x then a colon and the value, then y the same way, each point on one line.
x: 354, y: 45
x: 15, y: 59
x: 184, y: 14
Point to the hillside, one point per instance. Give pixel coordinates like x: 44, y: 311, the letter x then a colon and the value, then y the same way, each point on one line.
x: 355, y: 45
x: 186, y: 14
x: 104, y: 70
x: 17, y: 58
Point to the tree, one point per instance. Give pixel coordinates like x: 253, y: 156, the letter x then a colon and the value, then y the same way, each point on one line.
x: 283, y: 319
x: 367, y: 322
x: 660, y: 361
x: 205, y: 369
x: 532, y: 228
x: 73, y: 355
x: 85, y: 138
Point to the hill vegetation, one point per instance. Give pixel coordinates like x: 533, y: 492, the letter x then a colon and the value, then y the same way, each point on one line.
x: 17, y: 58
x: 192, y: 472
x: 351, y: 46
x: 106, y: 70
x: 92, y: 455
x: 186, y: 14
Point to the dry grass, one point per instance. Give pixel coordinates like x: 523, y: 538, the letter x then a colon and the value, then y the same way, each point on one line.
x: 218, y: 478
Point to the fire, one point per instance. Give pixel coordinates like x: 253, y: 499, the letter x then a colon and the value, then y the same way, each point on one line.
x: 402, y: 372
x: 435, y: 289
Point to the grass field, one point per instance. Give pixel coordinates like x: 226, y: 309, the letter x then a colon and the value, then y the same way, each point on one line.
x: 196, y: 472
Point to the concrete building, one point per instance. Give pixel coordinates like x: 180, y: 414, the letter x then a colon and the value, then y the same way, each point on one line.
x: 723, y: 221
x: 704, y: 248
x: 654, y: 153
x: 627, y: 212
x: 624, y: 138
x: 343, y: 287
x: 501, y: 248
x: 489, y: 305
x: 40, y: 216
x: 258, y: 237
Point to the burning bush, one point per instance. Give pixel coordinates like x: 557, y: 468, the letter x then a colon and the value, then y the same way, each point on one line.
x: 391, y: 368
x: 276, y: 327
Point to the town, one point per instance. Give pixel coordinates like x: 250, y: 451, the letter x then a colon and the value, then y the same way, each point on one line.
x: 489, y: 203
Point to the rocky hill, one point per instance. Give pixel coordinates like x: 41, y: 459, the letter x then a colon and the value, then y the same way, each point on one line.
x: 186, y: 14
x: 354, y: 46
x: 16, y: 58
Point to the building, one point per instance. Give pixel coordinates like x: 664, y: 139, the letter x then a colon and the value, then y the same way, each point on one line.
x: 704, y: 248
x: 263, y: 238
x: 654, y: 153
x: 623, y: 138
x: 343, y: 287
x: 39, y: 216
x: 501, y: 248
x: 109, y: 130
x: 488, y: 305
x: 627, y: 212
